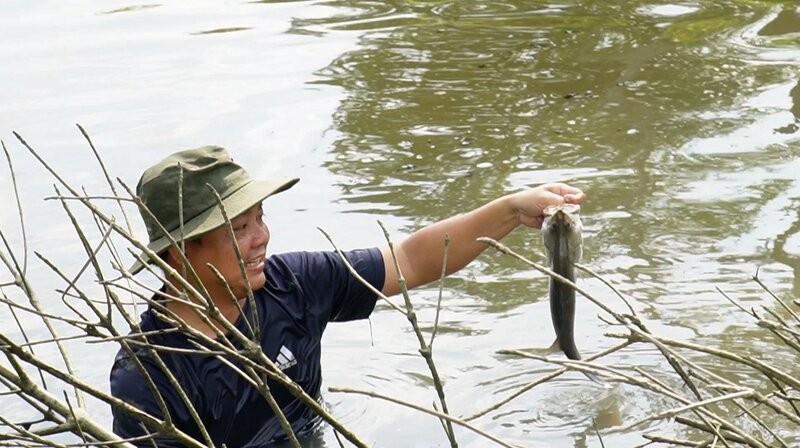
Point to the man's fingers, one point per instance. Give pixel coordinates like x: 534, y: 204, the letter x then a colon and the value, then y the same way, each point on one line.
x: 575, y: 198
x: 569, y: 193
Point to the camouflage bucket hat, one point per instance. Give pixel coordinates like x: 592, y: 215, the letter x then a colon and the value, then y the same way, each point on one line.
x: 202, y: 167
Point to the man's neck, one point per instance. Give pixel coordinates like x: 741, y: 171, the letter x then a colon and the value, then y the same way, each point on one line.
x: 196, y: 314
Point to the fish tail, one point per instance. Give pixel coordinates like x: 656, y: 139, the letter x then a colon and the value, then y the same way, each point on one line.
x: 569, y: 349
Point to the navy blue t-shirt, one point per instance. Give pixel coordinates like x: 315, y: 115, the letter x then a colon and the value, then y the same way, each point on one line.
x: 304, y: 291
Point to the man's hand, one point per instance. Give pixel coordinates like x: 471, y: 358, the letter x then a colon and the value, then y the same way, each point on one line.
x: 530, y: 204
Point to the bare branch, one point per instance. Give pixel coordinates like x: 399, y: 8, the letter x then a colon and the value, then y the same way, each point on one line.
x: 441, y: 415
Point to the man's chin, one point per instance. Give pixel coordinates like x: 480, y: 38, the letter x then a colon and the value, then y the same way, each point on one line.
x: 258, y: 282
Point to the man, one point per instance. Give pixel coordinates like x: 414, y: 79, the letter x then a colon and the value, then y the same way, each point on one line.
x: 295, y: 295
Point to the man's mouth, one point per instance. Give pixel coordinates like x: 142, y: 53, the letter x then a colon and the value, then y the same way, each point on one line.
x: 252, y: 264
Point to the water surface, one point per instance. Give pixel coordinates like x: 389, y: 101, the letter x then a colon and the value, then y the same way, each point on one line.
x: 680, y: 119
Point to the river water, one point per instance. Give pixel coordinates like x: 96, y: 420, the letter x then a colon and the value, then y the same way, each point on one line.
x: 679, y: 119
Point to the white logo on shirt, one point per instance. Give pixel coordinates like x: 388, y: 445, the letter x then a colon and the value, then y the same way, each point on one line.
x: 285, y: 358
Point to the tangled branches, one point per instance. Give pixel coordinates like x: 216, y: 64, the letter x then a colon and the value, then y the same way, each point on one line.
x: 719, y: 411
x: 54, y: 397
x: 109, y: 316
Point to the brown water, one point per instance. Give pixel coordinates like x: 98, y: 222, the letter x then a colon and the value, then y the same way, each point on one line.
x: 680, y: 120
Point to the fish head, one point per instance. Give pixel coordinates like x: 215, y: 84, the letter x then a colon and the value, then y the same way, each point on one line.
x: 562, y: 226
x: 566, y: 217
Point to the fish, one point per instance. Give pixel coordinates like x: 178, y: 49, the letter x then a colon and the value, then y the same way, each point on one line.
x: 563, y: 244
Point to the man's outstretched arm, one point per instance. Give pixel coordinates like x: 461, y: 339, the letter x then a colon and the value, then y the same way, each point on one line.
x: 420, y: 255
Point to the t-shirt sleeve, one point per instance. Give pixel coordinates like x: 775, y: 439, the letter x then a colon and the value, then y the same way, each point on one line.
x: 332, y: 291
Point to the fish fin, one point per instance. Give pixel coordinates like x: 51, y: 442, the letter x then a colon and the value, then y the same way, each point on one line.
x: 597, y: 380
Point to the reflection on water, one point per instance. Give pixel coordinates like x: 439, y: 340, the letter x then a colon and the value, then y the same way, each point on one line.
x: 679, y: 118
x: 659, y: 111
x: 785, y: 22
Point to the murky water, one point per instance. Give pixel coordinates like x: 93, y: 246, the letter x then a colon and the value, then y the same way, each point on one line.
x: 680, y: 120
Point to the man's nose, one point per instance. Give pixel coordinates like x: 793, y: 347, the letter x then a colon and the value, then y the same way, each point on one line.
x: 262, y: 236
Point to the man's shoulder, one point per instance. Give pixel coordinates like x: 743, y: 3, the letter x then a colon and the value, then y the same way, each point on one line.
x: 294, y: 258
x: 289, y: 271
x: 285, y: 270
x: 139, y: 346
x: 126, y: 375
x: 324, y: 282
x: 301, y: 259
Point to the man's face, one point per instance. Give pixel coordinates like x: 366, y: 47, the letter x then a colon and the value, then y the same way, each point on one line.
x: 216, y: 248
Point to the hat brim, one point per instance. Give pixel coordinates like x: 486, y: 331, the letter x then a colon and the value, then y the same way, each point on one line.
x: 235, y: 204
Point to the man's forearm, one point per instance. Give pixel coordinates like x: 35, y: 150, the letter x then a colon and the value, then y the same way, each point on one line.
x: 421, y: 254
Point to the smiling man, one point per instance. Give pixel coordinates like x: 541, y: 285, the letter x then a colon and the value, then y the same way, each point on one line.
x: 295, y: 295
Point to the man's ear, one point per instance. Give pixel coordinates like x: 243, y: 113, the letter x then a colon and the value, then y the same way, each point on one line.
x: 173, y: 257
